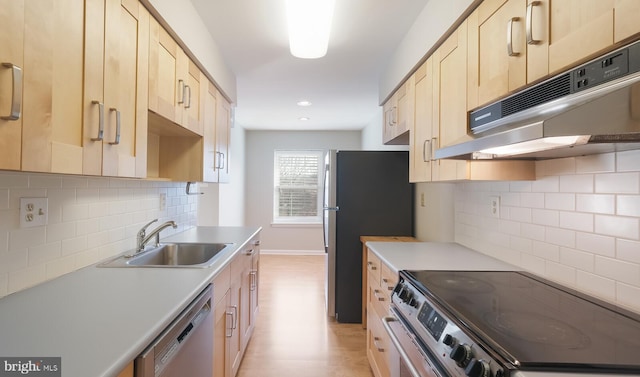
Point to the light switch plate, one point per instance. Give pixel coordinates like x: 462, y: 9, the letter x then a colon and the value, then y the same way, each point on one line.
x: 34, y: 212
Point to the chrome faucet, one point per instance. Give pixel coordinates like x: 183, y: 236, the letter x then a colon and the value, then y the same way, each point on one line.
x: 143, y: 238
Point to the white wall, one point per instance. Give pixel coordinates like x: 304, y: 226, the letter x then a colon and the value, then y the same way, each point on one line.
x: 260, y: 146
x: 434, y: 20
x: 90, y: 219
x: 578, y: 223
x: 185, y: 21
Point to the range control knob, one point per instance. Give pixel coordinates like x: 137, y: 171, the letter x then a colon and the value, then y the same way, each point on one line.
x: 405, y: 294
x: 449, y: 340
x: 478, y: 368
x: 461, y: 354
x: 413, y: 302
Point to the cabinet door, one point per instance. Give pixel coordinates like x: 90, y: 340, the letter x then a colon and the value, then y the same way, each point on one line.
x: 223, y: 133
x: 52, y: 91
x: 450, y: 115
x: 626, y: 19
x: 115, y: 88
x: 500, y: 66
x: 11, y: 40
x: 254, y: 287
x: 222, y: 333
x: 192, y: 115
x: 389, y: 119
x: 405, y: 103
x: 210, y: 173
x: 235, y: 308
x: 421, y: 133
x: 165, y: 90
x: 578, y: 28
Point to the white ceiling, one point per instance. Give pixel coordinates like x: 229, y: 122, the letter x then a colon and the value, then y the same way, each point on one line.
x: 343, y: 85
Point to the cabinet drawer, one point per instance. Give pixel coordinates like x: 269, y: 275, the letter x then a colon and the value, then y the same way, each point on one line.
x: 221, y: 284
x: 373, y: 266
x: 378, y: 344
x: 379, y: 299
x: 388, y: 279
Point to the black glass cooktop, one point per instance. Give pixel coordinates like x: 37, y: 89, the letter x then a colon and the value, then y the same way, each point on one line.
x: 542, y: 325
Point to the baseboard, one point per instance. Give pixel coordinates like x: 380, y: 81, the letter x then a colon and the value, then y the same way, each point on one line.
x: 292, y: 252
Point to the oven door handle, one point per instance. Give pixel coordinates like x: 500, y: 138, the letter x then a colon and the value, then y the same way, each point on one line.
x: 394, y: 339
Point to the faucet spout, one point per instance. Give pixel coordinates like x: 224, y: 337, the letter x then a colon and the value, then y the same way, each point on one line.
x: 142, y: 241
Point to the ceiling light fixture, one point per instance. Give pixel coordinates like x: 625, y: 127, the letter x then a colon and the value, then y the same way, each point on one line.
x: 304, y: 119
x: 309, y: 24
x: 303, y: 103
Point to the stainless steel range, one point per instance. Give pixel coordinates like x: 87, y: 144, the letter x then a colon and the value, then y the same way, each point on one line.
x: 507, y: 324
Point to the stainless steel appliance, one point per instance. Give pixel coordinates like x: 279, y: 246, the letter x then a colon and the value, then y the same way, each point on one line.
x: 507, y: 324
x: 365, y: 193
x: 185, y: 347
x: 592, y: 108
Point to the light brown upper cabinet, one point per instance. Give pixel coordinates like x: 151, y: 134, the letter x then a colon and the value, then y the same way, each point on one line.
x: 450, y: 118
x: 174, y: 81
x: 223, y: 139
x: 116, y: 88
x: 11, y: 69
x: 516, y: 42
x: 398, y: 114
x: 421, y: 135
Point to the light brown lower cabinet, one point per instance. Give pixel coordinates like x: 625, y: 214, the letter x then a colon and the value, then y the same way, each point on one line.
x: 127, y: 371
x: 235, y: 306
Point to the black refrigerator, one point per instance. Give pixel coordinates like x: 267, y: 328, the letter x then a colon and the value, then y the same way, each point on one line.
x: 366, y: 193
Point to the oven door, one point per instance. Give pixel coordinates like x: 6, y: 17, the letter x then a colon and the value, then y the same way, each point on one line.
x: 414, y: 361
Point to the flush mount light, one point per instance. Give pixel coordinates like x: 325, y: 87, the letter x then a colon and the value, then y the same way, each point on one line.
x: 309, y: 24
x: 304, y: 119
x: 303, y: 103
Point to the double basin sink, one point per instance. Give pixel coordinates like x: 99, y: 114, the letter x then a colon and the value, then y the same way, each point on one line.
x: 189, y: 255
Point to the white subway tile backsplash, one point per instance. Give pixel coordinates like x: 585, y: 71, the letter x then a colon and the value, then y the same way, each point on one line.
x: 562, y: 166
x: 596, y: 285
x: 624, y: 227
x: 520, y: 186
x: 596, y: 203
x: 628, y: 250
x: 546, y: 184
x: 628, y: 296
x: 561, y: 273
x: 533, y: 232
x: 627, y: 161
x: 596, y: 244
x: 546, y: 251
x: 628, y: 205
x: 520, y: 214
x: 576, y: 221
x: 619, y: 183
x: 532, y: 200
x: 545, y: 217
x: 89, y: 218
x: 582, y: 183
x: 577, y: 259
x: 597, y: 163
x: 618, y: 270
x: 534, y: 264
x: 564, y: 201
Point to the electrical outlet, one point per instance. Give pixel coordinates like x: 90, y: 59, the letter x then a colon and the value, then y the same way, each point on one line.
x: 34, y: 212
x: 163, y: 201
x: 422, y: 199
x: 494, y: 206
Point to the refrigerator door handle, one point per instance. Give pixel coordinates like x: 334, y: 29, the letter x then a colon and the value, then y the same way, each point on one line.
x: 331, y: 208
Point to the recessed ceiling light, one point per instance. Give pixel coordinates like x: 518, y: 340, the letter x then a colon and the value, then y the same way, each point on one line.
x: 304, y: 119
x: 303, y: 102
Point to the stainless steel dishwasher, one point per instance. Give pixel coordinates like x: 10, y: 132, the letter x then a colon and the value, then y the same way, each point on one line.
x: 185, y: 347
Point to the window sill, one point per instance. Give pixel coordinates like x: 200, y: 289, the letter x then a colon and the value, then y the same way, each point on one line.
x: 296, y: 225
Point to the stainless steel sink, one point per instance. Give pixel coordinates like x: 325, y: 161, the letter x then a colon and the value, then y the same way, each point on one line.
x: 189, y: 255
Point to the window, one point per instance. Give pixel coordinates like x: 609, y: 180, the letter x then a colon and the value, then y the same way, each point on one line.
x: 297, y: 187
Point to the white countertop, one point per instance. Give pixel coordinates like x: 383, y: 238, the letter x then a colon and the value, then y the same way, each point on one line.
x: 435, y: 256
x: 99, y: 319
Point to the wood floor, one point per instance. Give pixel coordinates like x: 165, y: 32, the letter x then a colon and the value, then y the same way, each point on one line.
x: 293, y: 335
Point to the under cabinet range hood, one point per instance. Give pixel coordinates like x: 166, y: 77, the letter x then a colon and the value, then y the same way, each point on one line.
x: 594, y: 108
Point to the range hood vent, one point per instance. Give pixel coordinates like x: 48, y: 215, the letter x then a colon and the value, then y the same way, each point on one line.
x: 594, y: 108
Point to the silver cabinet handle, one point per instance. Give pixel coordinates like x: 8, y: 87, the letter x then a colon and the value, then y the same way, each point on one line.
x: 424, y: 150
x: 100, y: 120
x: 181, y: 89
x: 376, y: 343
x: 16, y: 92
x: 434, y: 142
x: 222, y: 161
x: 188, y: 90
x: 117, y: 140
x: 249, y: 252
x: 529, y: 23
x: 510, y: 51
x: 254, y: 280
x: 229, y: 333
x: 235, y: 317
x: 375, y: 293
